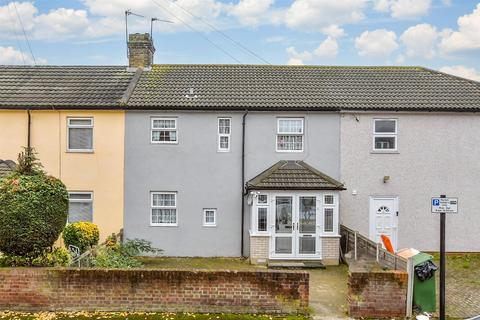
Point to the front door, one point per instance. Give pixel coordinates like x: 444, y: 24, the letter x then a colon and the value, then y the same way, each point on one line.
x: 383, y: 219
x: 296, y: 224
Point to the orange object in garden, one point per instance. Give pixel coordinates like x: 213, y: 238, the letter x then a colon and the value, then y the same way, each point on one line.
x: 387, y: 243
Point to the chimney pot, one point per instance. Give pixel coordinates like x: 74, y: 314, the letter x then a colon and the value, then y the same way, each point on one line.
x: 141, y: 50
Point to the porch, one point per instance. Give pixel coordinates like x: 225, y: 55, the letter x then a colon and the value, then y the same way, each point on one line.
x: 294, y: 215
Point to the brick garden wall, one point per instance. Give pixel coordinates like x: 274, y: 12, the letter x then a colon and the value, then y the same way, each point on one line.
x: 377, y: 294
x: 42, y: 289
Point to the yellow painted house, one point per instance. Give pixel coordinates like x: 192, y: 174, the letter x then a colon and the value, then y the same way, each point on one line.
x: 73, y: 118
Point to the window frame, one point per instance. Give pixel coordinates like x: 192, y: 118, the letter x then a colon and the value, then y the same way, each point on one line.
x: 209, y: 224
x: 385, y: 134
x: 152, y: 207
x: 152, y: 129
x: 266, y: 206
x: 220, y: 135
x: 334, y: 207
x: 73, y: 126
x: 79, y: 201
x: 302, y: 134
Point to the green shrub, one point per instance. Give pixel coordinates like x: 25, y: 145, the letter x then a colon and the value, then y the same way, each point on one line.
x: 83, y: 235
x: 33, y: 209
x: 109, y: 258
x: 58, y: 257
x: 122, y: 255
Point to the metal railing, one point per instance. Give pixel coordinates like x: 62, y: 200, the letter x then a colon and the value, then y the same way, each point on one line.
x: 362, y: 247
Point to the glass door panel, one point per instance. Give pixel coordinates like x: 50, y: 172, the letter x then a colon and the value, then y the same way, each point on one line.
x: 284, y: 225
x: 307, y: 225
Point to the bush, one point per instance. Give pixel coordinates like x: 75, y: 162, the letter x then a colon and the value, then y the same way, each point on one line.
x: 33, y: 210
x: 83, y: 235
x: 121, y: 255
x: 58, y: 257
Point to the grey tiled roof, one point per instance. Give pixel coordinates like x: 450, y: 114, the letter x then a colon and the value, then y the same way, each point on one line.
x: 45, y: 87
x: 255, y: 87
x: 293, y: 175
x: 6, y: 167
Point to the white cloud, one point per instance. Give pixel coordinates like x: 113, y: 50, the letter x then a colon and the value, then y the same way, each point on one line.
x: 10, y: 55
x: 60, y: 23
x: 403, y: 9
x: 298, y: 57
x: 333, y: 31
x: 468, y: 35
x: 462, y: 71
x: 420, y: 41
x: 251, y: 12
x: 379, y: 42
x: 314, y: 15
x: 295, y: 62
x: 328, y: 48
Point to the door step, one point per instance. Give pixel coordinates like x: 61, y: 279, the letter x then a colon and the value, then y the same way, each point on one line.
x: 288, y: 264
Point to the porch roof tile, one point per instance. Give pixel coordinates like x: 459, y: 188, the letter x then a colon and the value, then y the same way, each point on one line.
x: 293, y: 175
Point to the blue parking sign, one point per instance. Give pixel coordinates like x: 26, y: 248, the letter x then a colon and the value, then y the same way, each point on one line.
x: 435, y: 202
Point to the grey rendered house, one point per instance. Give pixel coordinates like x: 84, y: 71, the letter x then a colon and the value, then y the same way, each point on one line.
x: 267, y: 161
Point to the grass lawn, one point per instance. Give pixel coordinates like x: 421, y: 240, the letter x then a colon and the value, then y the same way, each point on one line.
x: 199, y: 263
x: 139, y: 316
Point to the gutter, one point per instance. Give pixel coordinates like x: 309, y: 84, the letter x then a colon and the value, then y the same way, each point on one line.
x: 242, y: 249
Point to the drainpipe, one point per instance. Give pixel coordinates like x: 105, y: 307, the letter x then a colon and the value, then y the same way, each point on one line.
x: 243, y: 182
x: 28, y: 130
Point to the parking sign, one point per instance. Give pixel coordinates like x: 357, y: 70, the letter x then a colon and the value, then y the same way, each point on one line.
x: 447, y: 205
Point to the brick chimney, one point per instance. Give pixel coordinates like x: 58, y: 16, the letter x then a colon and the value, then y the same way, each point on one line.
x: 141, y: 49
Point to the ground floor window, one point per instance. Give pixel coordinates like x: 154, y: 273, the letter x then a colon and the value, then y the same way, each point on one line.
x: 80, y: 206
x: 163, y: 209
x: 209, y: 217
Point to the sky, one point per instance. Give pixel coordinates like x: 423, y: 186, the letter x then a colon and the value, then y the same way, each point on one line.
x: 439, y: 34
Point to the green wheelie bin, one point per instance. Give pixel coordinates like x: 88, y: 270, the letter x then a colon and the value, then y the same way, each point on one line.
x: 424, y: 294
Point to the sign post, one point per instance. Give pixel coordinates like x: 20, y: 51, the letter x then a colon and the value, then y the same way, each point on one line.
x: 443, y: 205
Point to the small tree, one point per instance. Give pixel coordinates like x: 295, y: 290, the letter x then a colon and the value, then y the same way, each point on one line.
x: 33, y: 208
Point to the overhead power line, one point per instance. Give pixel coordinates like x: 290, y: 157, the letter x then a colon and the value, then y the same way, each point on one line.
x: 24, y: 33
x: 238, y: 44
x: 17, y: 38
x: 197, y: 32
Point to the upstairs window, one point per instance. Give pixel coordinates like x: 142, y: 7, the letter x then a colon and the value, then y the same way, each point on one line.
x: 164, y: 209
x: 385, y: 134
x: 290, y: 135
x: 224, y: 131
x: 164, y: 130
x: 80, y: 134
x: 80, y: 206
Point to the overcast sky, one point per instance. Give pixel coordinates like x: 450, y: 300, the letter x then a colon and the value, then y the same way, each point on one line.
x: 441, y: 34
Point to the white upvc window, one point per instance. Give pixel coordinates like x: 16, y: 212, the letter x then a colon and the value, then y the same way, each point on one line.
x: 209, y: 217
x: 80, y: 206
x: 385, y: 134
x: 329, y: 214
x: 224, y: 132
x: 164, y: 130
x: 163, y: 209
x: 79, y: 134
x: 262, y: 213
x: 290, y: 134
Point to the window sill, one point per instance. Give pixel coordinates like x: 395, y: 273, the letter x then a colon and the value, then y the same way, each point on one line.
x: 79, y: 151
x: 256, y: 234
x: 152, y: 142
x: 384, y: 152
x: 210, y: 225
x: 163, y: 224
x: 330, y: 236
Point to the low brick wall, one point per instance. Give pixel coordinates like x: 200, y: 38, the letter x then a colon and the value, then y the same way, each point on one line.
x: 49, y: 289
x: 377, y: 294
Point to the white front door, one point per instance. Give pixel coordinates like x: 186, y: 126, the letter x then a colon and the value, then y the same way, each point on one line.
x: 295, y: 227
x: 383, y: 219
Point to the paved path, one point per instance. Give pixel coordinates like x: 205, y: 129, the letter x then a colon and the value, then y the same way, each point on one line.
x: 328, y: 292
